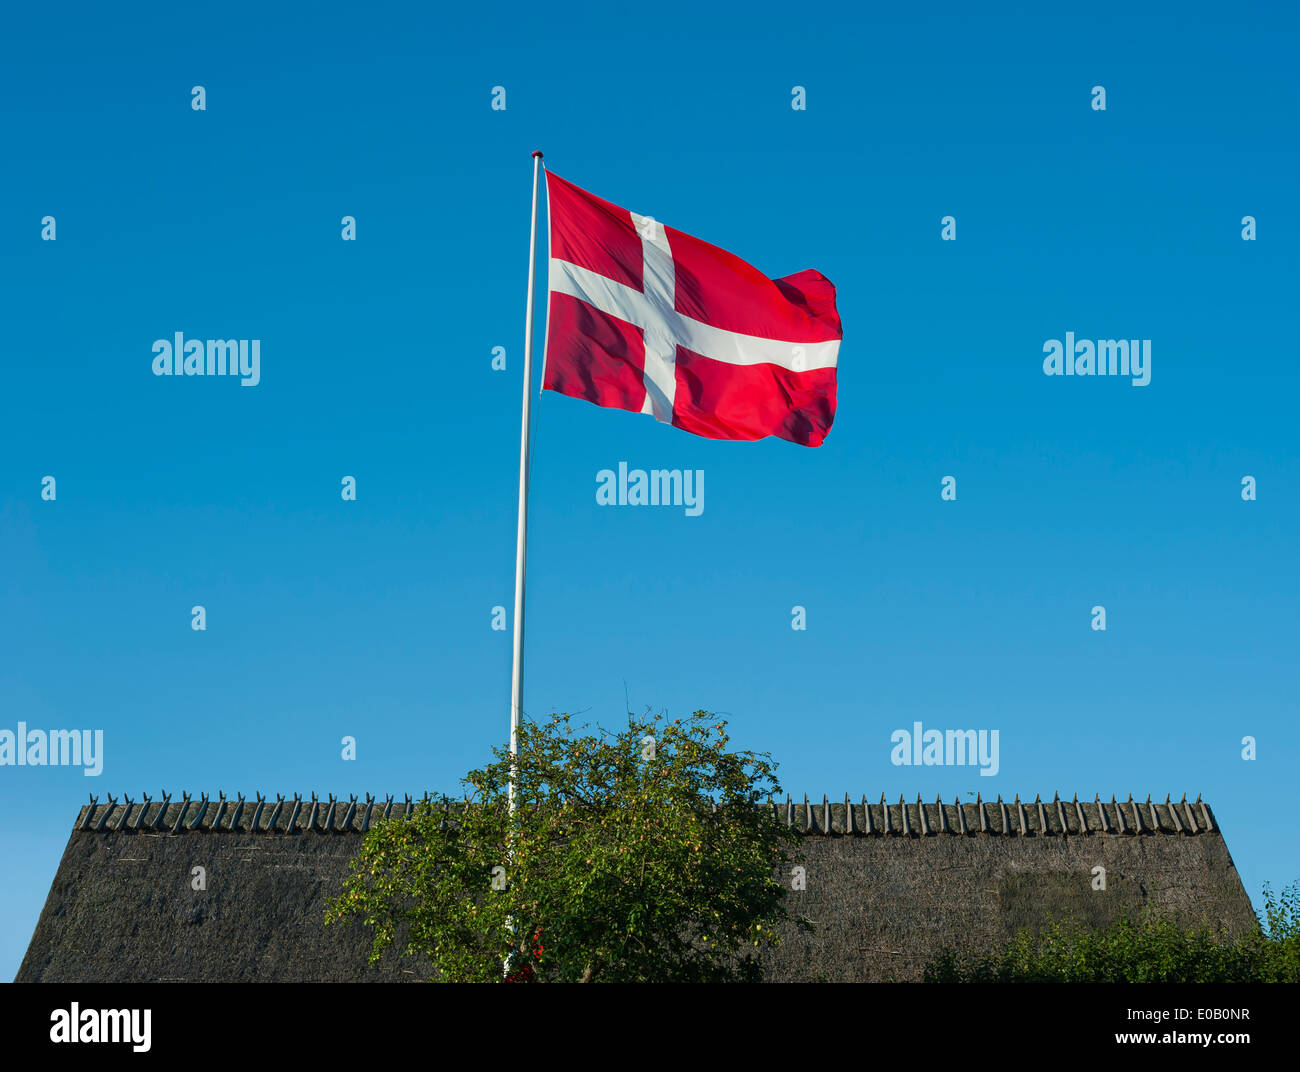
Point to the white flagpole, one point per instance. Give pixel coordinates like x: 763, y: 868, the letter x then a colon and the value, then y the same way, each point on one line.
x: 521, y: 540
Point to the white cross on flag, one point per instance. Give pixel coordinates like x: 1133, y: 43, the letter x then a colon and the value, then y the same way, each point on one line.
x: 645, y: 318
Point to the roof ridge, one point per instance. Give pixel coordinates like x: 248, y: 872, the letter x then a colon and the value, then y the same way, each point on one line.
x: 1015, y: 818
x: 256, y: 814
x: 336, y: 815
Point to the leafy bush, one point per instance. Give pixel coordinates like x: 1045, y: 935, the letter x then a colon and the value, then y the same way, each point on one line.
x: 1153, y: 948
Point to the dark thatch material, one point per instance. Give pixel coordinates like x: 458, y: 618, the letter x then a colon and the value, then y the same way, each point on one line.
x: 887, y: 886
x: 884, y: 904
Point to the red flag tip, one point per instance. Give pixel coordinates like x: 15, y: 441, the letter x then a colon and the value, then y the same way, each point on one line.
x: 538, y: 153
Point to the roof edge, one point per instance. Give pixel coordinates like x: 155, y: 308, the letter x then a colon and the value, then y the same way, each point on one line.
x: 336, y: 815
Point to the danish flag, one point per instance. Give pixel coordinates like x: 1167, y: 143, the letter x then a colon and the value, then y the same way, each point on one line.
x: 643, y: 317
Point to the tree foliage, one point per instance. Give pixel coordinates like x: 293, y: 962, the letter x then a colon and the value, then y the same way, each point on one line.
x: 1152, y: 948
x: 632, y: 857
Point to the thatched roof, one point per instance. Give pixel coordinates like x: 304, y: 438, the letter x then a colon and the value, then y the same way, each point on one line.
x: 890, y: 887
x: 887, y: 885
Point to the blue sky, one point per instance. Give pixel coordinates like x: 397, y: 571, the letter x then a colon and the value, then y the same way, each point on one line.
x: 372, y: 618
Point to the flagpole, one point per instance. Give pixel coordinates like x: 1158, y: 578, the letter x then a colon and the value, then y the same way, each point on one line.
x: 521, y: 538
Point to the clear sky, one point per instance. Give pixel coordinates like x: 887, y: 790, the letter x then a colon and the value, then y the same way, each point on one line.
x: 372, y: 618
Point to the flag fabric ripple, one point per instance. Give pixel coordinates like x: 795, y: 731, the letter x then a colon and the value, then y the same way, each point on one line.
x: 643, y: 317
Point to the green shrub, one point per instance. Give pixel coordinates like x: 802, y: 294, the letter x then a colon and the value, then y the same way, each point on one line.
x: 1151, y: 948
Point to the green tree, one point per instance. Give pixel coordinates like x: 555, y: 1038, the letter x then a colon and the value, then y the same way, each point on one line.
x: 639, y: 856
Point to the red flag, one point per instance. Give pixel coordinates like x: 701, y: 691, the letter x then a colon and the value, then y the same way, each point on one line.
x: 645, y: 318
